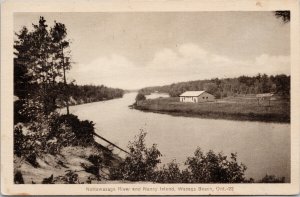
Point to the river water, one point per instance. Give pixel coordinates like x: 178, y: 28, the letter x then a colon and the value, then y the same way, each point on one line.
x: 263, y: 147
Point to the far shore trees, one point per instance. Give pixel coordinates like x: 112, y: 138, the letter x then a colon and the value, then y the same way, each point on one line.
x: 220, y: 88
x: 139, y: 97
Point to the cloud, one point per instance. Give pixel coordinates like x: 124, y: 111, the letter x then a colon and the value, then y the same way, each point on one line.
x: 273, y: 64
x: 186, y: 62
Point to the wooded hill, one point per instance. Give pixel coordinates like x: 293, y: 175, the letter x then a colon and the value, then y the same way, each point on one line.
x: 221, y: 88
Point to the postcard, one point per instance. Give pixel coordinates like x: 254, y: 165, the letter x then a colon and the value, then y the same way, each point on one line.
x: 146, y: 97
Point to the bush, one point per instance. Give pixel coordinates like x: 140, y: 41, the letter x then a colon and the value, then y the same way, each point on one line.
x: 18, y: 178
x: 31, y: 158
x: 214, y: 168
x: 48, y: 180
x: 272, y: 179
x: 98, y: 164
x: 170, y: 173
x: 141, y: 164
x: 140, y: 97
x: 19, y: 141
x: 25, y: 146
x: 71, y: 177
x: 19, y: 117
x: 69, y: 130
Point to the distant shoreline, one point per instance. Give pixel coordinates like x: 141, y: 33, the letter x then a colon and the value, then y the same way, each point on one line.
x: 215, y: 110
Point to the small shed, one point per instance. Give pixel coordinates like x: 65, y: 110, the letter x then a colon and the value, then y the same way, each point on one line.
x: 265, y: 96
x: 196, y: 97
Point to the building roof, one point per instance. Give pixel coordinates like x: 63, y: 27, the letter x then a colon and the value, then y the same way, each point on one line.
x: 192, y: 93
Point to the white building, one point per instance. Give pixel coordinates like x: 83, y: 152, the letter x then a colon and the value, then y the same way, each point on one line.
x: 196, y: 97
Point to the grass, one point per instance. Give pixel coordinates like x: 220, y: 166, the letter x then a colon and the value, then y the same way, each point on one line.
x: 232, y: 108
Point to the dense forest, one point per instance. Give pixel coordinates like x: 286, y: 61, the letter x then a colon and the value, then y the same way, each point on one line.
x: 91, y: 93
x: 220, y: 88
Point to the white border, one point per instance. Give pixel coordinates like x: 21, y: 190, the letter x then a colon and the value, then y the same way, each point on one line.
x: 11, y: 6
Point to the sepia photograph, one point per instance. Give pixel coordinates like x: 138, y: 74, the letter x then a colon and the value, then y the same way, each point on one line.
x: 152, y: 102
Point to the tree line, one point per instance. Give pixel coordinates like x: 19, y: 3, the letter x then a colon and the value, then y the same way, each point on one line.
x: 220, y: 88
x: 91, y: 93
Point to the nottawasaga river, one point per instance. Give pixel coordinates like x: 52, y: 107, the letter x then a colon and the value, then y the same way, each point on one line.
x: 263, y: 147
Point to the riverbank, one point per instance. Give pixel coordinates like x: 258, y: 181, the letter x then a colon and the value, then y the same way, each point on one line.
x: 230, y: 109
x: 66, y: 152
x: 74, y: 164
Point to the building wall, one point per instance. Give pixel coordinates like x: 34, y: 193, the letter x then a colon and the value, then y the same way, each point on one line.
x: 192, y: 99
x: 204, y: 97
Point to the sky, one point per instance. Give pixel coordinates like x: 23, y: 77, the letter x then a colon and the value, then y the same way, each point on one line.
x: 138, y: 49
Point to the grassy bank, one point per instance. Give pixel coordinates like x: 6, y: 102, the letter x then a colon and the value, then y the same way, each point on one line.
x: 234, y: 108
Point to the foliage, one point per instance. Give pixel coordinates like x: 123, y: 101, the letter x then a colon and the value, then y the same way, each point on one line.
x: 140, y: 97
x: 284, y: 15
x: 221, y: 88
x: 42, y: 58
x: 19, y: 141
x: 141, y: 164
x: 50, y: 136
x: 18, y: 116
x: 91, y: 93
x: 39, y: 67
x: 68, y: 130
x: 98, y: 164
x: 18, y: 178
x: 48, y: 180
x: 30, y: 140
x: 70, y: 177
x: 170, y: 173
x: 214, y: 168
x: 272, y: 179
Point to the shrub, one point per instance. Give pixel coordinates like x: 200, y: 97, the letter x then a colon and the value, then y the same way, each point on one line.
x: 18, y: 178
x: 25, y: 146
x: 98, y: 164
x: 69, y: 130
x: 139, y: 97
x: 272, y: 179
x: 214, y: 168
x: 19, y: 117
x: 140, y: 164
x: 48, y: 180
x: 19, y: 140
x: 170, y: 173
x: 31, y: 158
x: 71, y: 177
